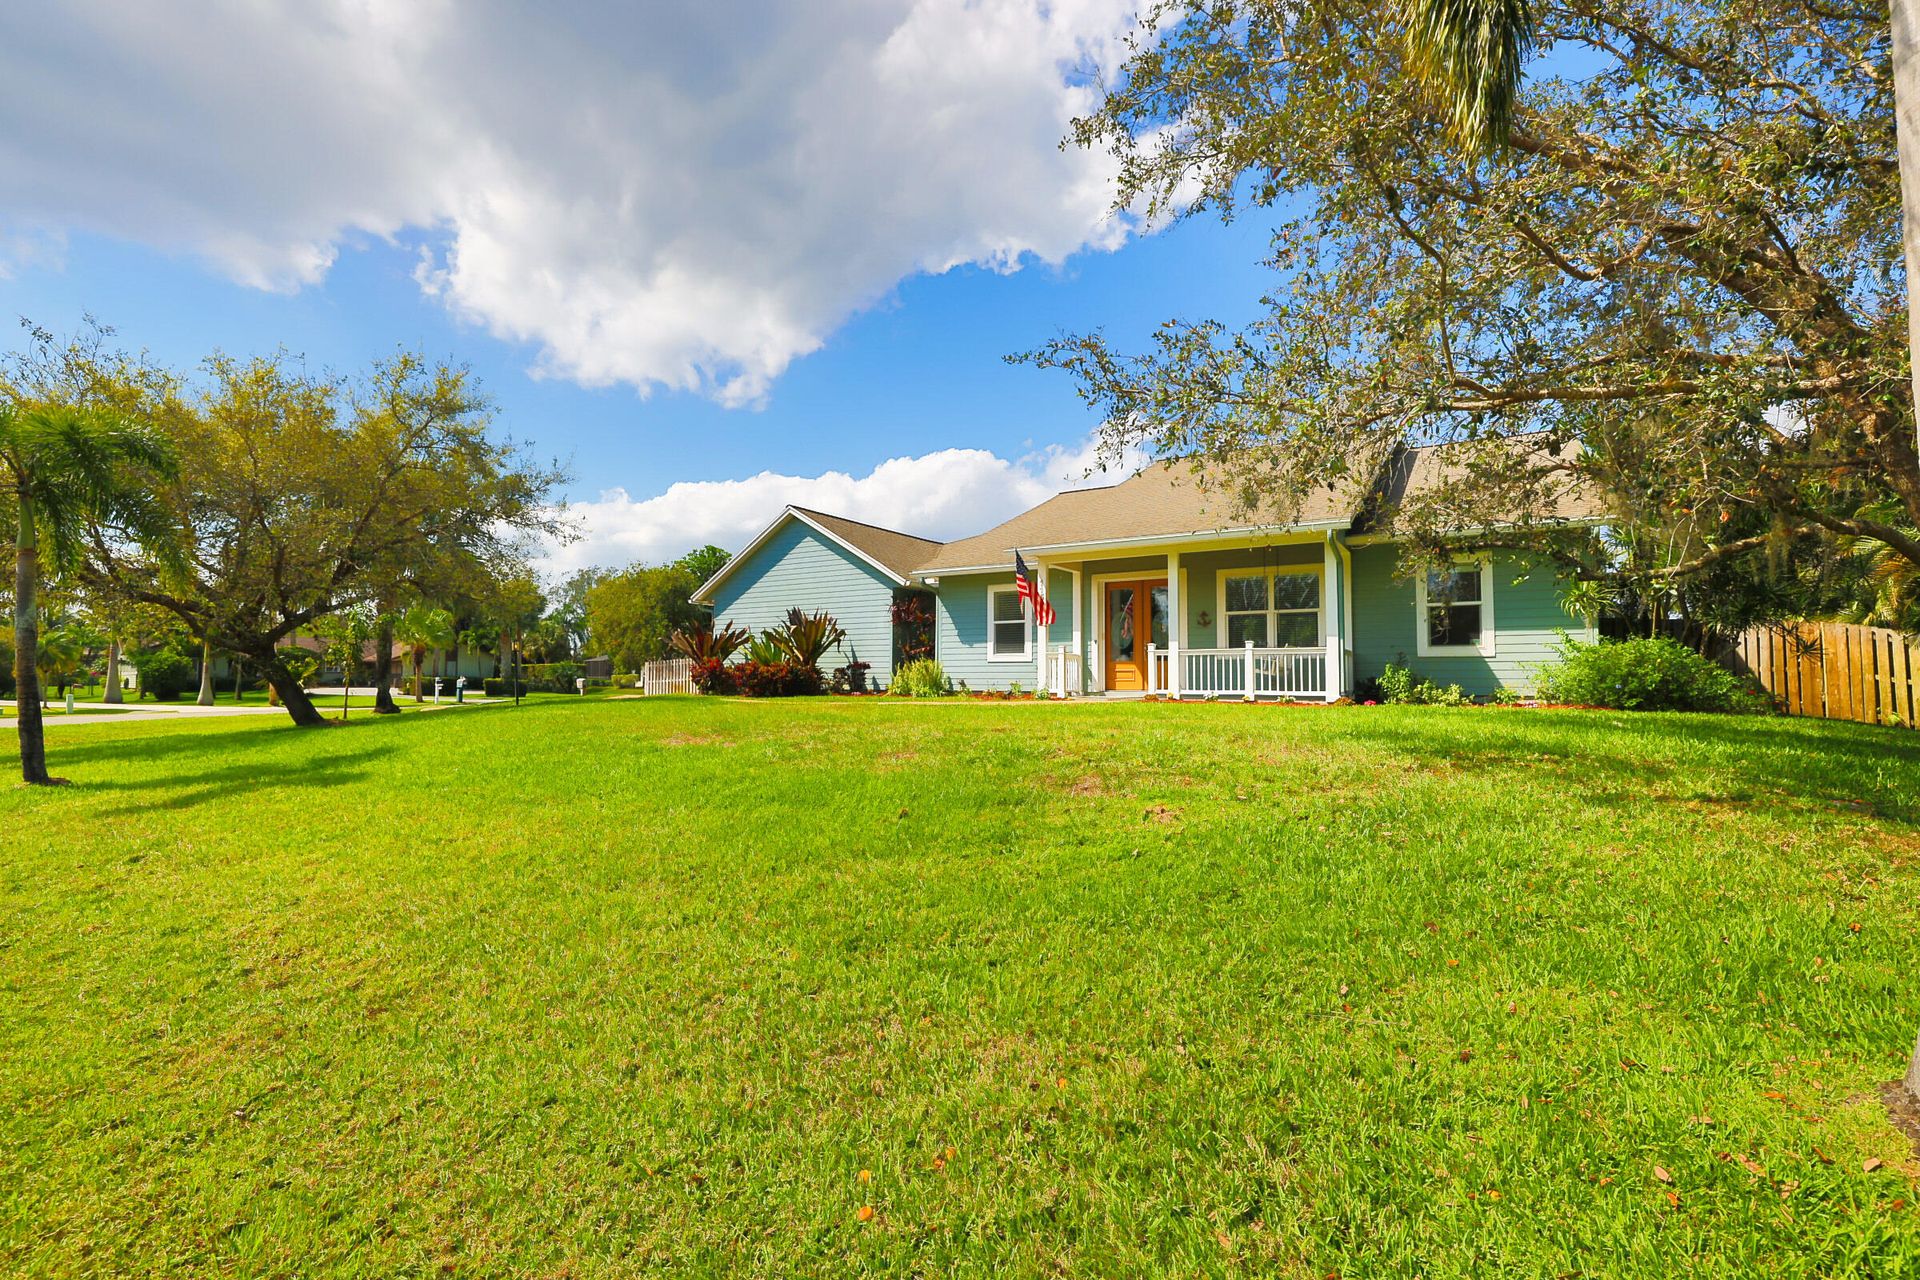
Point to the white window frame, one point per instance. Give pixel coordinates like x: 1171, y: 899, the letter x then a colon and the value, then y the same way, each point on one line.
x: 1026, y: 625
x: 1486, y: 647
x: 1272, y: 614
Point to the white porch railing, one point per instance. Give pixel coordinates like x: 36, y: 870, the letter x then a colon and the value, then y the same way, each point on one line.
x: 1063, y: 670
x: 1251, y: 672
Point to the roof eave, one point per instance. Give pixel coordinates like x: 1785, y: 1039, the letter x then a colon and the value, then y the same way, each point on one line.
x: 704, y: 594
x: 1377, y: 537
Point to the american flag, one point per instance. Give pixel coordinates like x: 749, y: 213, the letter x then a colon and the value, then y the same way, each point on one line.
x: 1025, y: 587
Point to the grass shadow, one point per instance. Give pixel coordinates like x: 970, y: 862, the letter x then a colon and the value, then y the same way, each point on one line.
x: 221, y: 737
x: 1829, y: 764
x: 236, y: 780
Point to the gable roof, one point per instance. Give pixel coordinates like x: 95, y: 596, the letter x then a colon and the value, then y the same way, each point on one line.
x: 893, y: 553
x: 1164, y: 502
x: 900, y: 553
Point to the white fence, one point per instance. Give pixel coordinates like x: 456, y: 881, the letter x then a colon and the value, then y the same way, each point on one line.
x: 674, y: 675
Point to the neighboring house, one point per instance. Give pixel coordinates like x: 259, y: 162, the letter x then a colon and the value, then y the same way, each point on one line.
x: 449, y: 664
x: 1158, y: 587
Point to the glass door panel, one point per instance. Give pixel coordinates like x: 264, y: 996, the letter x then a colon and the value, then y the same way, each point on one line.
x: 1120, y: 623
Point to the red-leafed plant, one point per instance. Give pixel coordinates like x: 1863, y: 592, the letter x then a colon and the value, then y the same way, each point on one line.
x: 703, y: 643
x: 912, y: 627
x: 777, y: 679
x: 711, y: 675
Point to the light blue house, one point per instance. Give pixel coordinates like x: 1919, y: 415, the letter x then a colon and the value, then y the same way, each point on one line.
x: 1159, y: 588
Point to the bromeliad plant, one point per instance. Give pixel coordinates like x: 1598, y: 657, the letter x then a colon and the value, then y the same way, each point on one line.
x: 703, y: 644
x: 806, y: 638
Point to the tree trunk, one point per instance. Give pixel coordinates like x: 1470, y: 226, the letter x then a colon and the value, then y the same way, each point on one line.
x: 284, y: 684
x: 206, y: 675
x: 1906, y: 122
x: 113, y: 695
x: 26, y: 649
x: 238, y: 682
x: 383, y: 667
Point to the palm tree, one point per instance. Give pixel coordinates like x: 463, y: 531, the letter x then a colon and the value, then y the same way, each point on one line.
x: 206, y: 673
x: 421, y: 628
x: 1471, y: 52
x: 63, y: 655
x: 66, y: 471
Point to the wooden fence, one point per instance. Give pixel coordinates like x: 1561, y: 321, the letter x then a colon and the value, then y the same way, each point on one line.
x: 1834, y: 670
x: 674, y: 675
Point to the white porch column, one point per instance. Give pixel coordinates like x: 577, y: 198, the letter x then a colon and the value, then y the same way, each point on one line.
x: 1040, y: 628
x: 1336, y: 624
x: 1176, y: 624
x: 1077, y: 684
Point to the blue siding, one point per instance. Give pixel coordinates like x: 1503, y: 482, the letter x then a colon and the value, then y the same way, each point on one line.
x: 1529, y: 619
x: 799, y: 568
x: 1527, y: 614
x: 960, y: 634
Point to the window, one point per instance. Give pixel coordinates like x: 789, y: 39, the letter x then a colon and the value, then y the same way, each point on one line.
x: 1281, y: 609
x: 1245, y: 614
x: 1456, y: 610
x: 1006, y: 625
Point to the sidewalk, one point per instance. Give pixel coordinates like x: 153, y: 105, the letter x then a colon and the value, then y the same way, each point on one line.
x: 127, y: 712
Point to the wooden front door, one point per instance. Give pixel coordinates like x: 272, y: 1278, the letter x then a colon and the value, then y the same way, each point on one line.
x: 1136, y: 614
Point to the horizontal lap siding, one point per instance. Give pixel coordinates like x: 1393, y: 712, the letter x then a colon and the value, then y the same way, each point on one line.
x: 960, y: 634
x: 1529, y: 622
x: 799, y: 569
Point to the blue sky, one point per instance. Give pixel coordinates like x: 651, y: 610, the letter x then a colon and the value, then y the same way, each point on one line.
x: 798, y: 283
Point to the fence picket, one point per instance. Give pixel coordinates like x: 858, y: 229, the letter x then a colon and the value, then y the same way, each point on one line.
x: 674, y: 675
x: 1902, y: 674
x: 1835, y: 670
x: 1813, y: 671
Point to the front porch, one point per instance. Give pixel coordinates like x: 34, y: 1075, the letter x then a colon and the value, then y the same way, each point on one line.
x: 1248, y: 673
x: 1247, y: 617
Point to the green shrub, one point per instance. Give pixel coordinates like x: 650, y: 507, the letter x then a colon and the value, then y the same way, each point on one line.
x: 1400, y: 686
x: 1646, y: 675
x: 548, y: 677
x: 921, y: 678
x: 303, y: 664
x: 165, y: 674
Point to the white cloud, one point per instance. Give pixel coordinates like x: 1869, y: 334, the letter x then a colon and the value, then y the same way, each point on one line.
x: 688, y: 196
x: 947, y: 494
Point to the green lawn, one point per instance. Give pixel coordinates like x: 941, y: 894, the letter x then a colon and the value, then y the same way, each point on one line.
x: 690, y: 987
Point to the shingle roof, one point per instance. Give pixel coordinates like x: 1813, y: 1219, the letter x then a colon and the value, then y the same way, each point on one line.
x: 1168, y: 501
x: 900, y: 552
x: 1165, y: 500
x: 1416, y: 473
